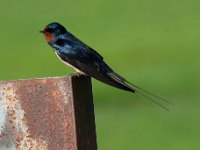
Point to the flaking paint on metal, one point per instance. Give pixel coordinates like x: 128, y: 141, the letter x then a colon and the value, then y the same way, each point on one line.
x: 38, y: 114
x: 14, y: 130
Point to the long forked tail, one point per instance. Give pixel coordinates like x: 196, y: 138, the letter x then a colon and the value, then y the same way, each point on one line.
x: 150, y: 96
x: 135, y: 89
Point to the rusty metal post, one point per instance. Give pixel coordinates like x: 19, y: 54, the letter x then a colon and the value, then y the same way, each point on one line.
x: 54, y: 113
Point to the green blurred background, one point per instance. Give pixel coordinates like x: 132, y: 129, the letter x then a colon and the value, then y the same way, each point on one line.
x: 153, y: 43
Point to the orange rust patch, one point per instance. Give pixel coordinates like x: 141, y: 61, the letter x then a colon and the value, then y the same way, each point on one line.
x: 44, y: 80
x: 46, y: 114
x: 55, y: 93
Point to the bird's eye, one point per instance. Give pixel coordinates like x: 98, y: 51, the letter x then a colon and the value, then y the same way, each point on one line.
x: 50, y: 30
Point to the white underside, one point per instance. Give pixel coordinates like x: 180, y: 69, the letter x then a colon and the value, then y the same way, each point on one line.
x: 77, y: 70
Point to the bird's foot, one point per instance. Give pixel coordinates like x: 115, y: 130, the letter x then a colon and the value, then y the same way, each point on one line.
x: 78, y: 73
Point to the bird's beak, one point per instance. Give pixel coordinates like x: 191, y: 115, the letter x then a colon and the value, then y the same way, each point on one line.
x: 41, y: 31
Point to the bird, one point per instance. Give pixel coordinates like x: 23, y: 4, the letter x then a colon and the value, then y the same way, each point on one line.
x: 85, y: 60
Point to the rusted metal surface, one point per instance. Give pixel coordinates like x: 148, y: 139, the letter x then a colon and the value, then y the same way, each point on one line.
x: 53, y: 113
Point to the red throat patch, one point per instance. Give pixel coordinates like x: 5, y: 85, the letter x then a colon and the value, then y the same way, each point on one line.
x: 48, y: 36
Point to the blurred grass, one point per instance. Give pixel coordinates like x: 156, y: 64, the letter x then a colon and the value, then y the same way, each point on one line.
x: 154, y: 44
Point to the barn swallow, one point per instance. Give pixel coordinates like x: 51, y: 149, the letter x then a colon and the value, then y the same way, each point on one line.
x: 85, y: 60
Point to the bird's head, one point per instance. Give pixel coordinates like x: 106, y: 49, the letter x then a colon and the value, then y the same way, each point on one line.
x: 52, y: 31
